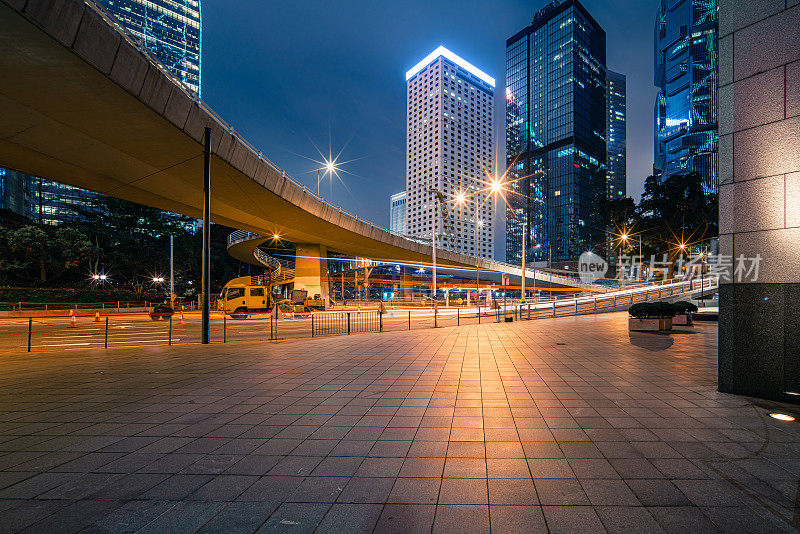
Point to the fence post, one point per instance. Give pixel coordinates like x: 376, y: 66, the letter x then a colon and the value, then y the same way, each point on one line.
x: 106, y: 343
x: 30, y: 329
x: 348, y: 323
x: 170, y: 330
x: 224, y: 328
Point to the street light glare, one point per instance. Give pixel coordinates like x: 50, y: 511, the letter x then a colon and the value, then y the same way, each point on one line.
x: 624, y: 237
x: 276, y: 237
x: 330, y: 166
x: 496, y: 186
x: 460, y: 198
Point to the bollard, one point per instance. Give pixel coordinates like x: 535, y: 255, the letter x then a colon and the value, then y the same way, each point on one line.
x: 312, y: 325
x: 170, y: 330
x: 409, y: 319
x: 224, y: 328
x: 554, y: 308
x: 380, y: 320
x: 479, y: 312
x: 458, y: 316
x: 106, y: 342
x: 348, y: 323
x: 271, y: 335
x: 576, y: 306
x: 30, y: 330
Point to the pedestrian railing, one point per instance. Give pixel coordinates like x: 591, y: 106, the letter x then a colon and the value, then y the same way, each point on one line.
x: 338, y: 323
x: 96, y: 330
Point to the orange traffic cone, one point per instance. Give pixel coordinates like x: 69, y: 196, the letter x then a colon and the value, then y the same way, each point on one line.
x: 180, y: 317
x: 73, y: 323
x: 97, y: 316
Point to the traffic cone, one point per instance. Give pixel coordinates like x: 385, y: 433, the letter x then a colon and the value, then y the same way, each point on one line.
x: 97, y: 316
x: 73, y: 323
x: 180, y: 317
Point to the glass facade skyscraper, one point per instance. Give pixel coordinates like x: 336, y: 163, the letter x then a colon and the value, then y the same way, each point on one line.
x: 686, y: 63
x: 616, y: 135
x: 556, y: 134
x: 171, y: 29
x: 397, y: 213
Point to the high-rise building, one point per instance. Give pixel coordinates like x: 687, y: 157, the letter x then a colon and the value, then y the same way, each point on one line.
x: 556, y: 134
x: 449, y: 144
x: 397, y: 213
x: 16, y: 194
x: 170, y: 29
x: 616, y: 136
x: 686, y: 61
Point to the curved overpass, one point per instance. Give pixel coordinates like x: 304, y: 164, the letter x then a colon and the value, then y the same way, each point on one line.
x: 84, y: 103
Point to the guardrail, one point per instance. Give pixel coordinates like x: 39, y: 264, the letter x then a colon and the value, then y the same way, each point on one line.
x: 126, y: 330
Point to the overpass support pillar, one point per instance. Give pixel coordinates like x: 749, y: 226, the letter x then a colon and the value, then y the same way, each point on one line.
x: 407, y: 291
x: 311, y: 270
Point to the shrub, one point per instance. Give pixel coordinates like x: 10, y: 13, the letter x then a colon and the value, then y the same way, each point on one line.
x: 684, y: 307
x: 652, y: 310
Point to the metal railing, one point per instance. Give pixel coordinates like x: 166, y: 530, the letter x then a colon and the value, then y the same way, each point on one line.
x: 338, y: 323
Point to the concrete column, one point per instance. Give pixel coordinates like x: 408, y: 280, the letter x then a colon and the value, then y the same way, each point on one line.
x: 311, y: 270
x: 759, y: 162
x: 408, y: 283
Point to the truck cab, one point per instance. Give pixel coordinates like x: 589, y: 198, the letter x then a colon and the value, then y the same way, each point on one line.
x: 244, y: 295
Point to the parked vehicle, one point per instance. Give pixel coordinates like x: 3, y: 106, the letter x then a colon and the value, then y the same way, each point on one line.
x: 244, y: 295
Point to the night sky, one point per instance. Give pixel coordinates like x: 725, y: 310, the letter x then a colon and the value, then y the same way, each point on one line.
x: 289, y: 75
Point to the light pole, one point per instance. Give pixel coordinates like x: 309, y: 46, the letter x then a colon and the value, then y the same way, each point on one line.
x: 171, y: 272
x: 524, y: 238
x: 436, y: 194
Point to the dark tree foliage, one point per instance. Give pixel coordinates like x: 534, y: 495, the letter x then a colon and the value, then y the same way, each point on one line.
x: 676, y: 211
x: 127, y: 241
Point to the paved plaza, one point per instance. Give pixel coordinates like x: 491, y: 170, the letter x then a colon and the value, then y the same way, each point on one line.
x: 561, y: 425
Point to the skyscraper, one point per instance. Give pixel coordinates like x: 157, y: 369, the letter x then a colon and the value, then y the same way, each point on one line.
x: 686, y: 62
x: 556, y: 134
x: 616, y: 136
x: 170, y: 29
x: 397, y: 213
x: 449, y: 147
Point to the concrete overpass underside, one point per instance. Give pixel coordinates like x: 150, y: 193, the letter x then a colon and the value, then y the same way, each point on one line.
x: 83, y: 105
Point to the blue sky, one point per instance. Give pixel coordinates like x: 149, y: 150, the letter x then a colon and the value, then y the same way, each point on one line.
x: 289, y: 75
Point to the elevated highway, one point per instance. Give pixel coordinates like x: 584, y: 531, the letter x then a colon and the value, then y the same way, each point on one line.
x: 83, y: 103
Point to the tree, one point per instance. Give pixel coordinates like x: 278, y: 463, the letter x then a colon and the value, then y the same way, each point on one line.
x: 676, y: 211
x: 44, y: 253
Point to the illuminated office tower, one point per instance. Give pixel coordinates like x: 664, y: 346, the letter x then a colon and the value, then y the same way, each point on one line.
x: 556, y: 134
x: 686, y: 62
x: 397, y: 213
x: 616, y: 135
x: 450, y: 143
x: 170, y: 29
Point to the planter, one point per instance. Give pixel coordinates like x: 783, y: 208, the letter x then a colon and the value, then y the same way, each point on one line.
x: 650, y: 325
x: 683, y: 319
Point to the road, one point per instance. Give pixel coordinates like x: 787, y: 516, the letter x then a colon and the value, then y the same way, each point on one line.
x: 55, y: 333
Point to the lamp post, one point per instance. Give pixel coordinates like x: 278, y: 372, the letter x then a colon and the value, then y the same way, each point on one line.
x: 524, y: 238
x: 436, y: 194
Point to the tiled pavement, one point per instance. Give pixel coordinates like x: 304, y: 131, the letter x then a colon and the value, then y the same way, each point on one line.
x: 566, y: 425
